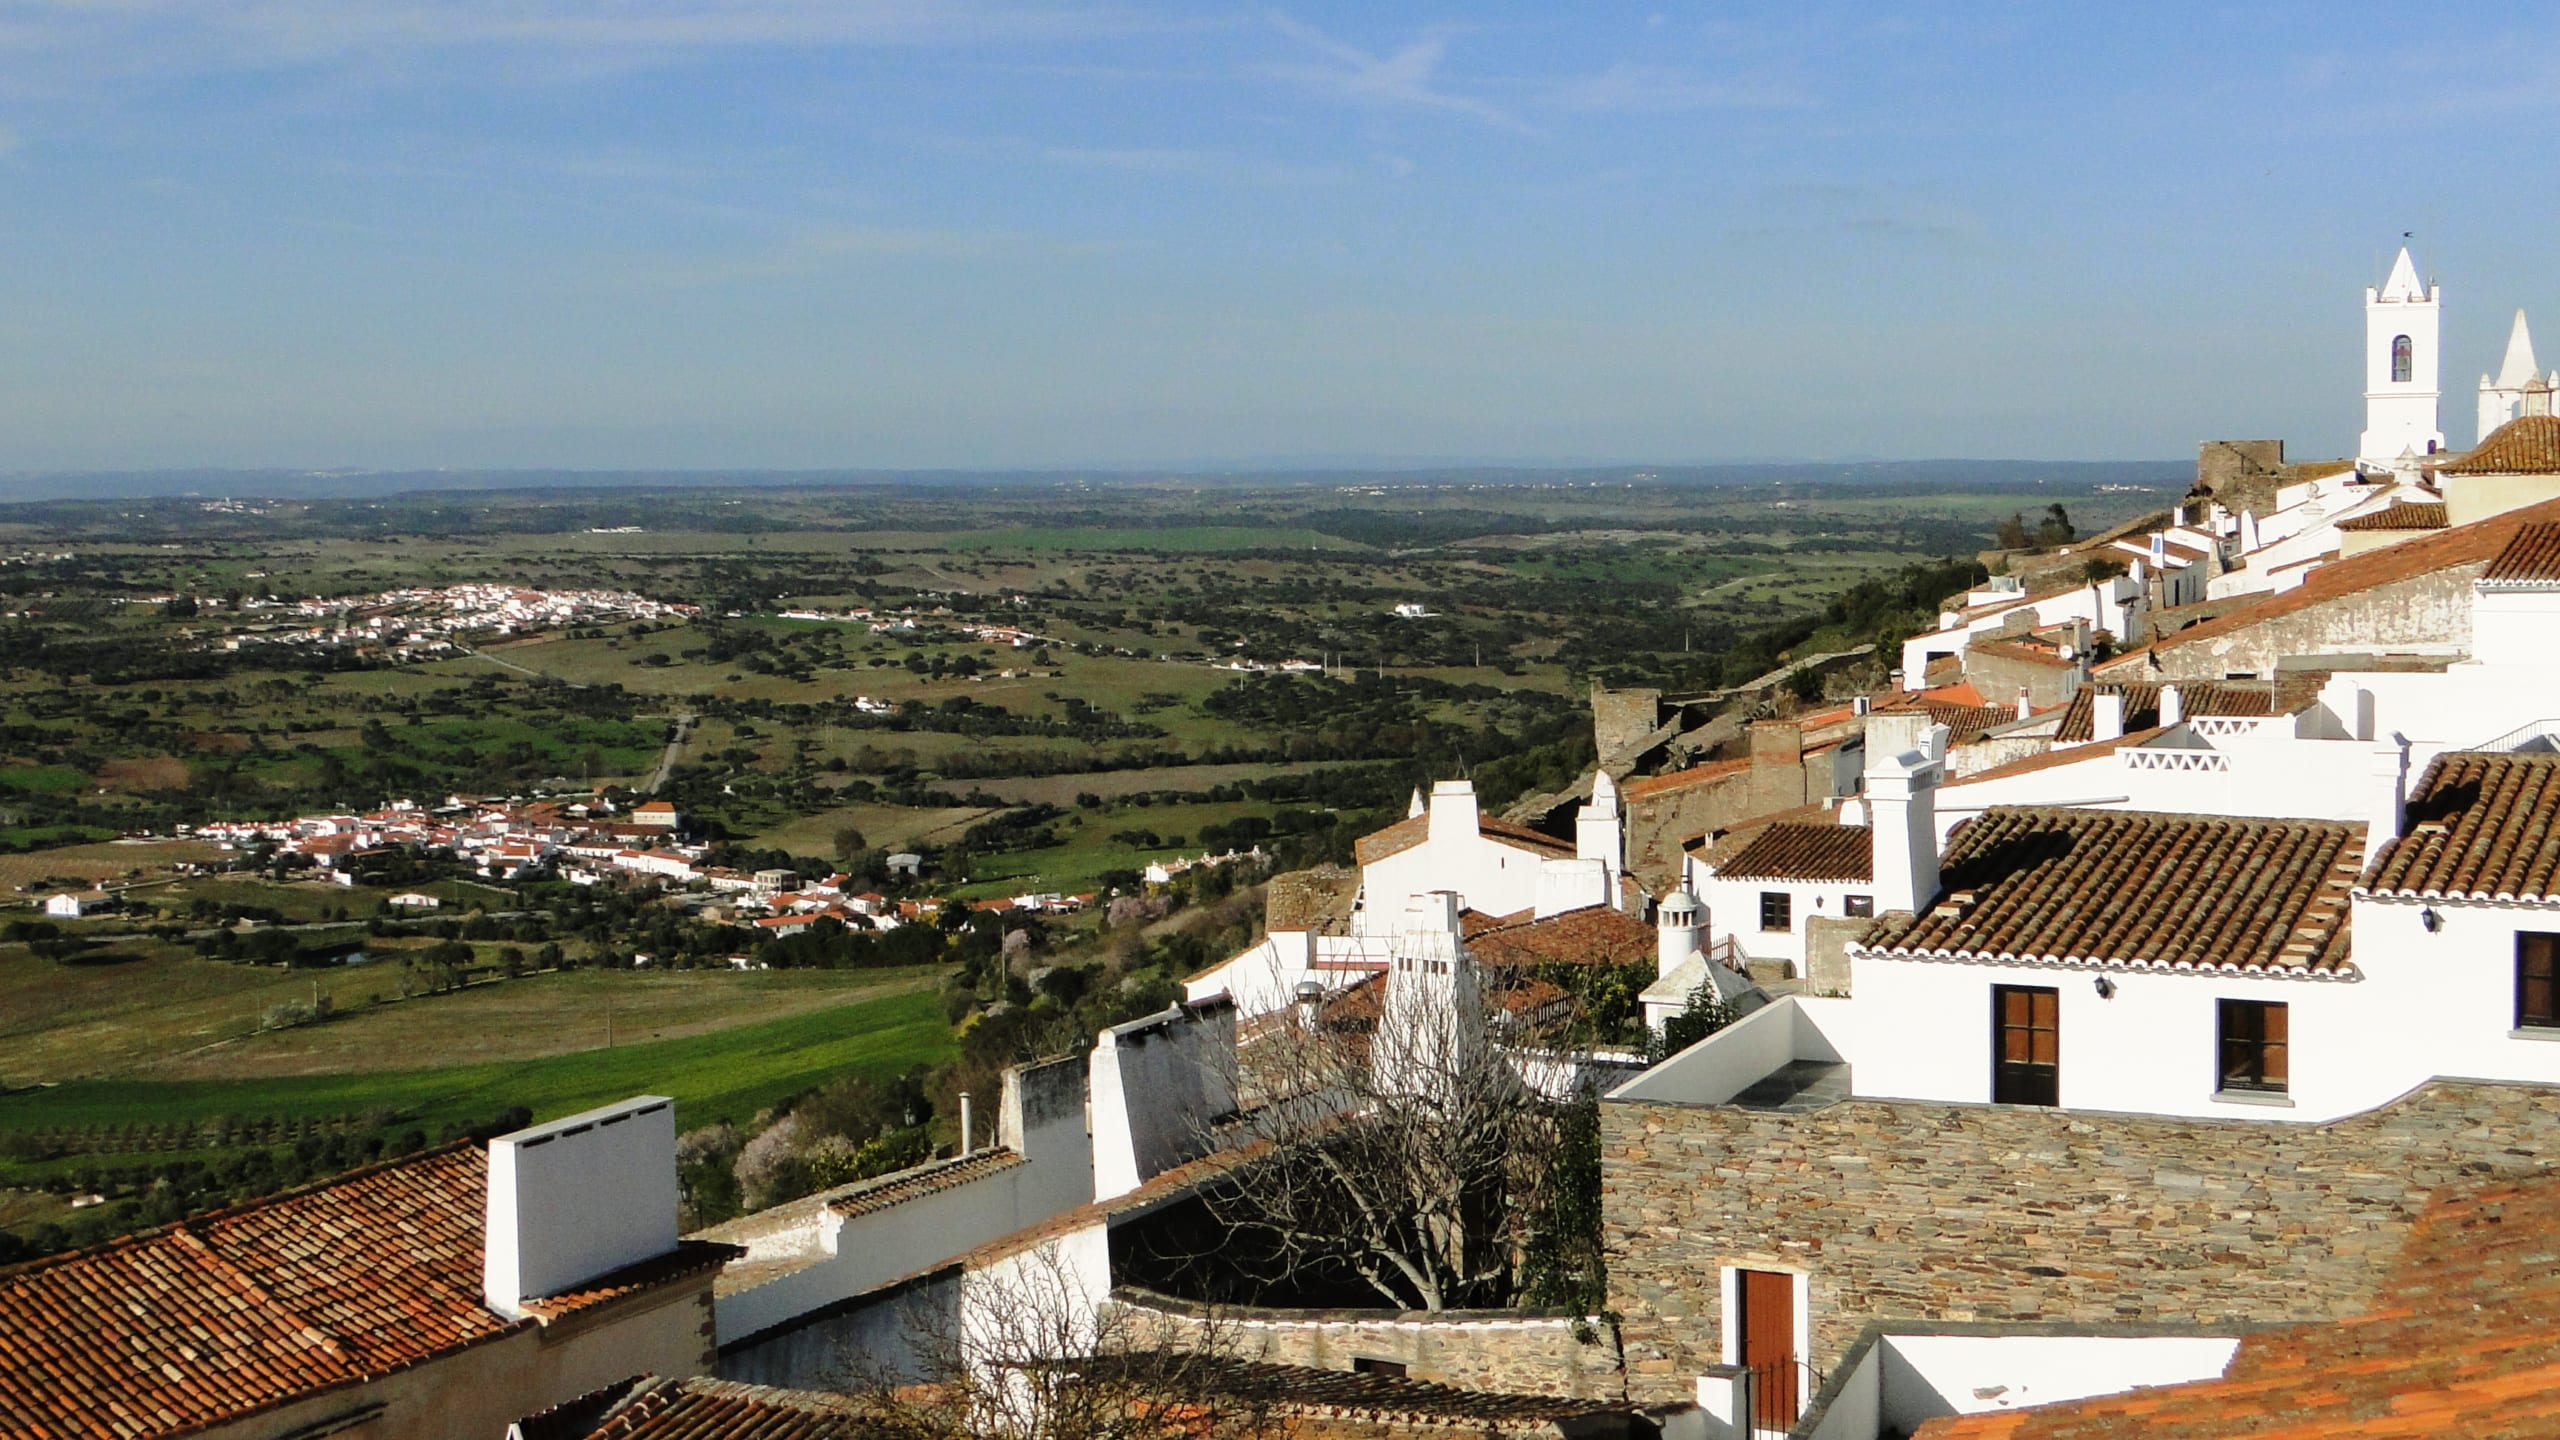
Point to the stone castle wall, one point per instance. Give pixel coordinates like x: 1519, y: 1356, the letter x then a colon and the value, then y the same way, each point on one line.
x: 1522, y: 1352
x: 1910, y: 1211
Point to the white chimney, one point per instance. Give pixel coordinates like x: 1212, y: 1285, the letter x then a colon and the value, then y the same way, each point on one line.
x: 1902, y: 802
x: 578, y: 1198
x: 2025, y: 709
x: 1597, y: 833
x: 1414, y: 806
x: 2173, y: 706
x: 2391, y: 794
x: 966, y: 1129
x: 1680, y: 931
x: 1453, y: 812
x: 2106, y: 715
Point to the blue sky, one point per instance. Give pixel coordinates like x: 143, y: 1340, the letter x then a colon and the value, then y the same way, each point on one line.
x: 786, y: 233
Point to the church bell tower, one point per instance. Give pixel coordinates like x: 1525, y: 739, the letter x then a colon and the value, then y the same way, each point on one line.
x: 2400, y: 330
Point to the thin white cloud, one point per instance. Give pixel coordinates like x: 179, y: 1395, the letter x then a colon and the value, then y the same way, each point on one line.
x: 1630, y: 88
x: 1408, y: 79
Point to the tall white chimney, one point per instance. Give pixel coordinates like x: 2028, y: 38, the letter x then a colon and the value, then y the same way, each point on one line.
x: 2173, y: 706
x: 1597, y: 831
x: 2025, y: 707
x: 1902, y: 801
x: 1453, y: 811
x: 2106, y: 715
x: 578, y: 1198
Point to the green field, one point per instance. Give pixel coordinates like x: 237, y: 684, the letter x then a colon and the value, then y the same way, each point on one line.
x: 1177, y: 539
x: 730, y: 1075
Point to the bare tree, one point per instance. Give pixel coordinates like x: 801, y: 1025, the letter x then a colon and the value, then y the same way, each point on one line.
x: 1411, y: 1129
x: 1026, y: 1350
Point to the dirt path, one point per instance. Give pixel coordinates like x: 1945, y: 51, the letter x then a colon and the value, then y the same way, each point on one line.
x: 675, y: 750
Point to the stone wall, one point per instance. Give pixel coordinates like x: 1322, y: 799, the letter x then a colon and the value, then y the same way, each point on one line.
x: 1524, y: 1352
x: 1908, y: 1211
x: 2425, y: 614
x: 1620, y: 718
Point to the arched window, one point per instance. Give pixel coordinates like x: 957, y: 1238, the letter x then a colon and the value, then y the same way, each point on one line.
x: 2400, y: 359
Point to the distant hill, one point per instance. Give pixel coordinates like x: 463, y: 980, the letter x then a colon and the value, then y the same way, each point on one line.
x: 1906, y: 475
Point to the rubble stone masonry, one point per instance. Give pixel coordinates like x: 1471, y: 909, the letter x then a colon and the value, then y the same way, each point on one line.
x: 1911, y: 1211
x: 1519, y: 1352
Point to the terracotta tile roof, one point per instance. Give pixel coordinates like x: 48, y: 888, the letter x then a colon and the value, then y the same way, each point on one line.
x: 2129, y: 887
x: 1646, y: 786
x: 1473, y: 922
x: 647, y: 1407
x: 1403, y: 835
x: 229, y: 1314
x: 2471, y: 544
x: 2142, y: 704
x: 236, y: 1312
x: 2462, y: 1338
x: 2526, y: 445
x: 1797, y: 852
x: 2531, y: 561
x: 1318, y: 899
x: 1594, y: 935
x: 892, y: 1190
x: 2478, y: 827
x: 2401, y: 515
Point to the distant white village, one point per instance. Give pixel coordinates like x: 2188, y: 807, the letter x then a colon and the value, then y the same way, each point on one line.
x: 2139, y: 1016
x: 427, y: 622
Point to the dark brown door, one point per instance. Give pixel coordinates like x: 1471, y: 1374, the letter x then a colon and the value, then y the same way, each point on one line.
x: 2026, y: 1045
x: 1769, y: 1347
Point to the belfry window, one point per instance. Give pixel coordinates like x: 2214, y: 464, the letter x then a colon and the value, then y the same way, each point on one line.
x: 2401, y: 360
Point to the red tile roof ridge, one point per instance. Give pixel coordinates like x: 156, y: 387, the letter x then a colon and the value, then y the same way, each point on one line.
x: 1669, y: 780
x: 2480, y: 541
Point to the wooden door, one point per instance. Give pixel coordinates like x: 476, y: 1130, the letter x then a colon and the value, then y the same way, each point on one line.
x: 2026, y: 1045
x: 1769, y: 1347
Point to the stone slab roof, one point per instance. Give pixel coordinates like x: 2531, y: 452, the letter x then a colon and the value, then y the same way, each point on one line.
x: 1318, y: 899
x: 2462, y: 1338
x: 1797, y: 852
x: 2526, y: 445
x: 1646, y: 786
x: 872, y: 1196
x: 2138, y: 889
x: 2478, y: 827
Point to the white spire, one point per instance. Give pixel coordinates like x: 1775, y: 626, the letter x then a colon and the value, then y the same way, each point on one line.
x: 2403, y: 284
x: 2518, y: 368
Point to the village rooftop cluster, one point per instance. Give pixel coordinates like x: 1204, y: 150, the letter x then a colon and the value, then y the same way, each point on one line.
x: 2139, y: 1015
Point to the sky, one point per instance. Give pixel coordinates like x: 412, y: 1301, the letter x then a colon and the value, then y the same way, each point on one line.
x: 939, y: 233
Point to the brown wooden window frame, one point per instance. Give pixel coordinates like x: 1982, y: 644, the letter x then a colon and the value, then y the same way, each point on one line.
x: 2253, y: 1046
x: 2537, y: 969
x: 2026, y: 1080
x: 1783, y: 905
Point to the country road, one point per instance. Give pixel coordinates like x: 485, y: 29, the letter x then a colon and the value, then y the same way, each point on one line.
x: 675, y: 748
